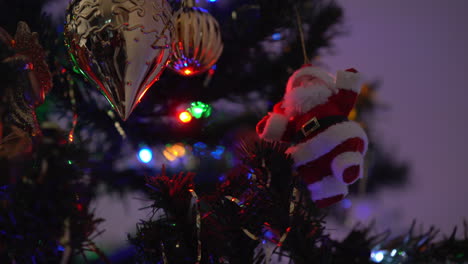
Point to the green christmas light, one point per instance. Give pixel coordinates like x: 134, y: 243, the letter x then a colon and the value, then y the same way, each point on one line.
x: 199, y: 109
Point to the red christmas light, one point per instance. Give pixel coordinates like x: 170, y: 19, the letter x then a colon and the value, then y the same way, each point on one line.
x: 185, y: 117
x: 188, y: 72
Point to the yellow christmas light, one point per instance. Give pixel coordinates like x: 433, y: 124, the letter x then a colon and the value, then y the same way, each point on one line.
x: 173, y: 152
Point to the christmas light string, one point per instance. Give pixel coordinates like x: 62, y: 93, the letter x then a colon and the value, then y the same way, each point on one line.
x: 71, y: 134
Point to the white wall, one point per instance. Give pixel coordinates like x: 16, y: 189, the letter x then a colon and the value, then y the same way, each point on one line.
x: 419, y: 49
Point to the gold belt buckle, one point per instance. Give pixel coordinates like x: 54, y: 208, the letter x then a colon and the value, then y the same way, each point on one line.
x: 311, y: 130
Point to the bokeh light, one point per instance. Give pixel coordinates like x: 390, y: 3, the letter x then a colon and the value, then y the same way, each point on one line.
x: 185, y: 117
x: 145, y: 155
x: 173, y: 152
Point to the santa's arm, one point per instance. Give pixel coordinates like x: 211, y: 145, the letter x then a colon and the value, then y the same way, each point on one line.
x: 273, y: 126
x: 347, y: 84
x: 276, y: 126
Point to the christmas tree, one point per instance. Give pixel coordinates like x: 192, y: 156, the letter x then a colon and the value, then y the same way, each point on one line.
x: 185, y: 136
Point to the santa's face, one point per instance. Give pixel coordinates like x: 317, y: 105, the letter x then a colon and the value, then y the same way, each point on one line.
x: 307, y: 81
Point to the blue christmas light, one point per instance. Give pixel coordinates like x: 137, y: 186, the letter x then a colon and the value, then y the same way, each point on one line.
x: 269, y: 235
x: 199, y: 148
x: 222, y: 178
x: 378, y: 256
x: 200, y: 145
x: 212, y: 1
x: 145, y: 155
x: 217, y: 154
x: 276, y: 36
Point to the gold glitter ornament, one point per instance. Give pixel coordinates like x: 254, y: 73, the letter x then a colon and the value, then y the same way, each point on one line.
x: 24, y: 61
x: 120, y: 45
x: 197, y: 42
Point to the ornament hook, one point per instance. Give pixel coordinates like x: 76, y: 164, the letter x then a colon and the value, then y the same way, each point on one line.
x: 189, y: 3
x: 301, y: 35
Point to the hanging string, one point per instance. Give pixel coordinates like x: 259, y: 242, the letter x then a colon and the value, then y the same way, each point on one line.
x: 301, y: 35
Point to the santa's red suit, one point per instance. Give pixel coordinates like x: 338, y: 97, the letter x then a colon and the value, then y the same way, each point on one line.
x: 326, y: 147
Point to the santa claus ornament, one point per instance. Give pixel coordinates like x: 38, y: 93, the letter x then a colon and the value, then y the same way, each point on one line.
x: 328, y: 149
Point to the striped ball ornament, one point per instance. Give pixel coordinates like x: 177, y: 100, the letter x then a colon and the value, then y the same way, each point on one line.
x: 197, y: 44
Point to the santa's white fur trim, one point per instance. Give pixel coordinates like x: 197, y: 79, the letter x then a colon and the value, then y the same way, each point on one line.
x: 275, y: 127
x: 348, y: 81
x: 302, y: 99
x: 326, y: 141
x: 344, y: 161
x: 328, y: 187
x: 312, y: 71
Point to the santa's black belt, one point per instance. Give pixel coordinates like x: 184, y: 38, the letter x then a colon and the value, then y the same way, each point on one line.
x: 316, y: 125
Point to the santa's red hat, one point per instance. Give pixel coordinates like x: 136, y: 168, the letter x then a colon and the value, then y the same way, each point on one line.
x: 309, y: 70
x: 300, y: 97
